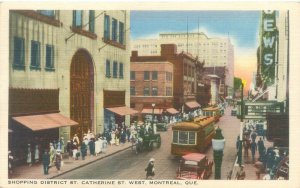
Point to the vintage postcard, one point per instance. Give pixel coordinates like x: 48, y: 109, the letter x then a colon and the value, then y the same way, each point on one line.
x: 149, y: 94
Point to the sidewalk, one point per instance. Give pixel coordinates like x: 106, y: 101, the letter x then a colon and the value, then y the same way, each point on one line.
x: 36, y: 170
x: 249, y: 167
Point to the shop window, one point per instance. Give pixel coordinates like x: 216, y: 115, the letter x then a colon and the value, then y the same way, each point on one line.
x: 92, y: 21
x: 106, y: 27
x: 114, y: 29
x: 132, y: 75
x: 121, y: 71
x: 121, y: 33
x: 77, y: 18
x: 115, y: 69
x: 35, y: 55
x: 19, y: 53
x: 107, y: 68
x: 154, y: 75
x: 49, y: 57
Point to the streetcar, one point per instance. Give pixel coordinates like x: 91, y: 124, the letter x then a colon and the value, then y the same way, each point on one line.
x: 212, y: 112
x: 193, y: 137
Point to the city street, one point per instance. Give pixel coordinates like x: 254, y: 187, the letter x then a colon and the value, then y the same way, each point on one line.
x: 128, y: 165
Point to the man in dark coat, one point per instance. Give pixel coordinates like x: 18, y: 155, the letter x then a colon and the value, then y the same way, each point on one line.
x: 46, y: 161
x: 92, y: 146
x: 150, y: 169
x: 261, y: 147
x: 83, y: 150
x: 253, y: 149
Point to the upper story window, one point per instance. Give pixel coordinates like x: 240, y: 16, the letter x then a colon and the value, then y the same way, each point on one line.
x: 154, y: 91
x: 146, y: 91
x: 107, y: 72
x: 146, y: 75
x: 115, y: 69
x: 19, y: 53
x: 168, y: 76
x: 154, y: 75
x: 132, y: 75
x: 114, y: 34
x: 49, y: 13
x: 121, y: 70
x: 35, y: 55
x: 121, y: 32
x: 106, y: 27
x: 77, y: 18
x: 132, y: 91
x: 49, y: 57
x: 92, y: 21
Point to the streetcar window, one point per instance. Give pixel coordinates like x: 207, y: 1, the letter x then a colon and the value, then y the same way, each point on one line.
x: 175, y: 136
x: 192, y: 137
x: 183, y: 137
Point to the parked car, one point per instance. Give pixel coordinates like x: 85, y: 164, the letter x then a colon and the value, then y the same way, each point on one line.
x: 161, y: 126
x: 194, y: 166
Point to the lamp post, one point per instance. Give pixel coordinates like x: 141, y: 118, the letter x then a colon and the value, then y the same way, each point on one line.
x: 153, y: 106
x: 218, y: 144
x: 241, y: 123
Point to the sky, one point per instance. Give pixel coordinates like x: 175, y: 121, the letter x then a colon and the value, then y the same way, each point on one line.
x: 242, y: 27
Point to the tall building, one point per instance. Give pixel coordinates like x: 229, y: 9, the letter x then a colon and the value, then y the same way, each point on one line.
x: 74, y: 63
x: 216, y: 52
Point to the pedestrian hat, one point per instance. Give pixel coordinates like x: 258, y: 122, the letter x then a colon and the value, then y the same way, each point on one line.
x: 58, y: 151
x: 152, y: 160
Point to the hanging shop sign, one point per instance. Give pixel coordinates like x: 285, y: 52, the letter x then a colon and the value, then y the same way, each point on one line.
x: 269, y: 47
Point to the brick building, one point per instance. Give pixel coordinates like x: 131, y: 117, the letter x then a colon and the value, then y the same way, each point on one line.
x: 184, y: 75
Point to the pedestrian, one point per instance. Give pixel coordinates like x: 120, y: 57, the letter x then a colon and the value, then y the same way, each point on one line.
x: 58, y: 160
x: 241, y: 175
x: 52, y: 154
x: 46, y: 161
x: 76, y: 139
x: 113, y: 138
x: 29, y: 157
x: 150, y: 170
x: 92, y: 146
x: 264, y: 130
x: 253, y: 135
x: 117, y: 137
x: 83, y: 150
x: 261, y: 147
x: 98, y: 146
x: 128, y: 134
x: 253, y: 146
x: 246, y: 144
x: 123, y: 136
x: 10, y: 163
x: 237, y: 144
x: 61, y: 144
x: 69, y: 148
x: 75, y: 151
x: 36, y: 154
x: 104, y: 145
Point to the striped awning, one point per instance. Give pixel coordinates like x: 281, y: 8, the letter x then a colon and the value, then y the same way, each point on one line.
x: 172, y: 111
x: 123, y: 110
x: 192, y: 104
x: 149, y: 111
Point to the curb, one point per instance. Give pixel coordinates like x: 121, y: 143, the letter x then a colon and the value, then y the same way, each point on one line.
x: 67, y: 171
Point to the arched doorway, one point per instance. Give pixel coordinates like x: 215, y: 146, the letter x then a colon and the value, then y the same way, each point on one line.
x: 82, y: 92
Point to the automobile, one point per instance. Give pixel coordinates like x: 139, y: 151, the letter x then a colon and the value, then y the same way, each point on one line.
x: 161, y: 126
x: 194, y: 166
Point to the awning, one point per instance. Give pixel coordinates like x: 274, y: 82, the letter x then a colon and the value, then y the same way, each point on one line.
x: 172, y: 111
x: 149, y: 111
x: 122, y: 111
x: 45, y: 121
x: 192, y: 104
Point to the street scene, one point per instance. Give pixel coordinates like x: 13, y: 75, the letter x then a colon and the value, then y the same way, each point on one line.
x: 148, y: 95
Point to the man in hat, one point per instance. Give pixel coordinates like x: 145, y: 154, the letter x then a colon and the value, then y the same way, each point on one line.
x: 150, y: 169
x: 46, y: 161
x: 240, y: 175
x: 58, y: 159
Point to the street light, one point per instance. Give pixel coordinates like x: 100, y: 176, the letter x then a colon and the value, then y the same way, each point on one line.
x: 153, y: 106
x: 242, y: 123
x: 218, y: 144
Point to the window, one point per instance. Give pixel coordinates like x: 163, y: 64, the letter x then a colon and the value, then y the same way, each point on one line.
x: 35, y: 54
x: 185, y: 70
x: 92, y: 21
x: 132, y: 91
x: 107, y: 68
x: 168, y: 76
x: 49, y: 13
x: 154, y: 91
x: 168, y: 91
x: 121, y: 33
x: 184, y: 137
x: 132, y: 75
x: 19, y: 52
x: 114, y: 29
x: 154, y: 75
x: 77, y: 18
x: 146, y: 91
x: 146, y: 75
x: 121, y: 75
x: 49, y: 56
x: 106, y: 27
x: 115, y: 69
